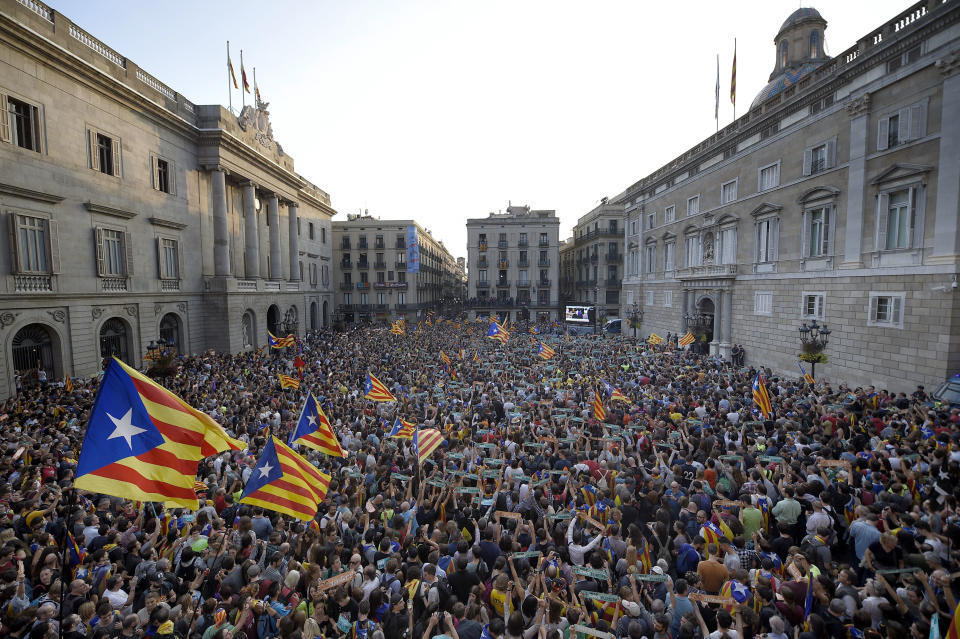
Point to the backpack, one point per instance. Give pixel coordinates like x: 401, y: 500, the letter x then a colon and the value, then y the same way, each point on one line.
x: 445, y: 592
x: 266, y: 624
x: 501, y: 501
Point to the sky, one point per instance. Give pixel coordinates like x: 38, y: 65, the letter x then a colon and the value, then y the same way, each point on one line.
x: 444, y: 110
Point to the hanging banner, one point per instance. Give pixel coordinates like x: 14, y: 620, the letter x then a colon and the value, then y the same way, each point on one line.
x: 413, y: 250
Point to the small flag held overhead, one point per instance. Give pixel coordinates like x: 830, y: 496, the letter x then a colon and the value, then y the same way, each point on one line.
x: 655, y: 339
x: 288, y: 382
x: 686, y: 340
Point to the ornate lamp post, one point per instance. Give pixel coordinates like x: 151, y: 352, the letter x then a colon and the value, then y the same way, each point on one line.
x: 636, y: 317
x: 813, y: 340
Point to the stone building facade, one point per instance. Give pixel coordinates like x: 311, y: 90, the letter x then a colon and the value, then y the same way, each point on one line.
x: 598, y: 258
x: 513, y: 264
x: 134, y: 215
x: 834, y: 198
x: 374, y: 280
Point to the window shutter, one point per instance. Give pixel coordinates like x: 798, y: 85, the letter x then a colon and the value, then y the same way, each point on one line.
x: 829, y: 230
x: 14, y: 246
x: 94, y: 156
x: 128, y: 247
x: 160, y: 258
x: 896, y: 305
x: 804, y: 235
x: 903, y: 131
x: 774, y: 239
x: 916, y: 222
x: 179, y: 260
x: 53, y: 241
x: 883, y: 211
x: 98, y: 237
x: 4, y: 119
x: 883, y: 133
x: 116, y: 157
x: 873, y: 308
x: 807, y: 161
x: 171, y: 178
x: 156, y: 172
x: 757, y: 257
x: 918, y: 119
x: 831, y: 153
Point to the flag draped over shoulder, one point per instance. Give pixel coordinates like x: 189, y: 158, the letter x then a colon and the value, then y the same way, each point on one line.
x: 425, y: 441
x: 144, y: 443
x: 285, y: 482
x: 761, y: 398
x: 314, y: 430
x: 374, y: 389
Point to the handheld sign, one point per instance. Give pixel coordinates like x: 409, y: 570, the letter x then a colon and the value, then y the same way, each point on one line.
x: 333, y: 582
x: 717, y: 599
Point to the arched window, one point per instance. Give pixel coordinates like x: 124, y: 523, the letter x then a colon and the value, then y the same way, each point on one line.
x: 783, y: 54
x: 32, y: 350
x: 814, y: 44
x: 170, y: 330
x: 113, y: 339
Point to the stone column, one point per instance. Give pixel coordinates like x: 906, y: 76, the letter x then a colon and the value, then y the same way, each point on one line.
x: 294, y: 243
x: 727, y: 314
x: 945, y: 237
x: 718, y: 311
x: 251, y: 249
x: 859, y: 111
x: 273, y: 221
x: 221, y: 229
x: 683, y: 310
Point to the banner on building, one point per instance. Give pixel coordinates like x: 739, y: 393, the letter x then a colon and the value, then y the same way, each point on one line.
x: 413, y: 250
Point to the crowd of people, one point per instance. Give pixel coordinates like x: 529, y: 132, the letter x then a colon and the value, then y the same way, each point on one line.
x: 673, y: 510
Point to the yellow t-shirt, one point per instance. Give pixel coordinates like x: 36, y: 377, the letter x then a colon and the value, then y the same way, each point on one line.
x: 498, y: 600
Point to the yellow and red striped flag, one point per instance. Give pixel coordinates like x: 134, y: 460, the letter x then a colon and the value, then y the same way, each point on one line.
x: 545, y: 352
x: 444, y: 358
x: 655, y: 339
x: 425, y: 441
x: 761, y: 398
x: 599, y: 413
x: 314, y: 430
x: 144, y: 443
x: 686, y: 340
x: 68, y: 384
x: 288, y: 382
x: 402, y: 429
x: 374, y: 389
x: 285, y: 482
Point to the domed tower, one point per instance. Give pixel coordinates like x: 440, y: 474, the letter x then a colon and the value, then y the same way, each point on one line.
x: 800, y: 50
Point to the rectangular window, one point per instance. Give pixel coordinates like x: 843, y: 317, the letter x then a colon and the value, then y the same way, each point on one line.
x: 899, y: 220
x: 813, y: 305
x: 112, y: 253
x: 649, y: 298
x: 668, y: 298
x: 169, y: 259
x: 323, y: 235
x: 381, y: 298
x: 633, y: 227
x: 669, y: 214
x: 31, y: 234
x: 886, y: 310
x: 23, y: 120
x: 310, y: 231
x: 523, y: 239
x: 348, y: 298
x: 381, y: 277
x: 401, y: 297
x: 401, y: 276
x: 818, y: 232
x: 162, y: 175
x: 693, y: 251
x: 543, y: 239
x: 763, y: 303
x: 104, y: 153
x: 669, y: 256
x: 483, y: 277
x: 728, y: 192
x: 651, y: 220
x: 727, y: 251
x: 767, y: 240
x: 693, y: 205
x: 364, y: 298
x: 524, y: 277
x: 769, y: 177
x: 820, y: 157
x: 649, y: 259
x: 909, y: 123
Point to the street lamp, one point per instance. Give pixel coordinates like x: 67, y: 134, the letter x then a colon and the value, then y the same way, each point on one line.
x: 814, y: 339
x: 636, y: 316
x: 698, y: 323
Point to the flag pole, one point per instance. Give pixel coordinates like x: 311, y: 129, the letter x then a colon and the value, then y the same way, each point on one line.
x: 229, y: 79
x: 256, y: 93
x: 243, y: 80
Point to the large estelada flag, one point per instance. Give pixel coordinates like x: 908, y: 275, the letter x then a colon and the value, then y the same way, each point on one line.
x: 655, y: 339
x: 285, y: 482
x: 498, y: 332
x: 374, y: 389
x: 545, y: 351
x: 144, y: 443
x: 280, y: 342
x: 761, y: 397
x: 314, y: 430
x: 425, y: 441
x: 402, y: 429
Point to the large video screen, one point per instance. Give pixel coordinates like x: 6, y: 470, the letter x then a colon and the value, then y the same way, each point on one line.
x: 579, y: 314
